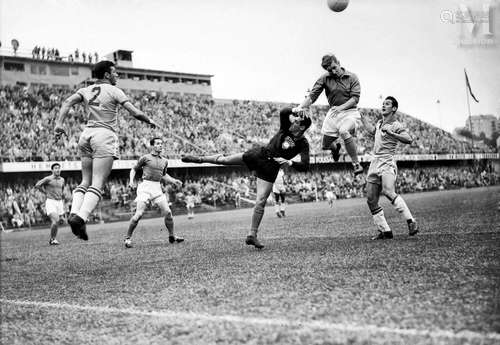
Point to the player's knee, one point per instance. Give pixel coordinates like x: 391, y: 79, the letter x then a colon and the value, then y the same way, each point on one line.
x: 389, y: 193
x: 345, y: 133
x: 137, y: 217
x: 260, y: 204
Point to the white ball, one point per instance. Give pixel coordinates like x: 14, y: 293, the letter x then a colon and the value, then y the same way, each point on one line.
x: 337, y: 5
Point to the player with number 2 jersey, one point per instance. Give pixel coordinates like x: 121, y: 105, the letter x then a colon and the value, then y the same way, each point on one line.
x: 98, y: 143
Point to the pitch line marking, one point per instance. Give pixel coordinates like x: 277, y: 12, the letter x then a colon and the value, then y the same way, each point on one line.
x: 176, y: 315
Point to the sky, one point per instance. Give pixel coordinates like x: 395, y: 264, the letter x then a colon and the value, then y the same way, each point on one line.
x: 271, y: 50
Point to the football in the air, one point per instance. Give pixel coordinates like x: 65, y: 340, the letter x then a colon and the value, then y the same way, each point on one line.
x: 337, y: 5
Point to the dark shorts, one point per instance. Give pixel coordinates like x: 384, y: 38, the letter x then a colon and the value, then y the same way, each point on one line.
x: 264, y: 166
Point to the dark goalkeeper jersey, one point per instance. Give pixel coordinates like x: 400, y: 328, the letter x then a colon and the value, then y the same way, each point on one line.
x: 283, y: 144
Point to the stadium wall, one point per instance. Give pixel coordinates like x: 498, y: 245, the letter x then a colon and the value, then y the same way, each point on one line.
x: 20, y: 167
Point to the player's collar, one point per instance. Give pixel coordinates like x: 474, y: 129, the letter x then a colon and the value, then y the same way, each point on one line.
x: 345, y: 73
x: 155, y: 154
x: 102, y: 81
x: 393, y: 119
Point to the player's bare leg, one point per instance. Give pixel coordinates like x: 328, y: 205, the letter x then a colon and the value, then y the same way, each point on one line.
x: 141, y: 207
x: 169, y: 220
x: 373, y: 191
x: 54, y: 220
x: 264, y: 188
x: 101, y: 168
x: 236, y: 159
x: 388, y: 189
x: 346, y: 131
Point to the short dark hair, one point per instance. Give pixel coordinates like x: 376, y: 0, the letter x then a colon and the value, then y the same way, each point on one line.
x: 326, y: 60
x: 55, y: 165
x: 152, y: 141
x: 306, y: 122
x: 394, y: 101
x: 101, y: 68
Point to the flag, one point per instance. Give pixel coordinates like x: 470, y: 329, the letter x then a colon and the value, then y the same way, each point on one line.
x: 468, y: 86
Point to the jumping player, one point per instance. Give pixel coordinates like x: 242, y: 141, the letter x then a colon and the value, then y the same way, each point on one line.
x: 279, y: 191
x: 382, y: 173
x: 342, y: 90
x: 267, y: 160
x: 98, y: 144
x: 53, y: 186
x: 154, y: 168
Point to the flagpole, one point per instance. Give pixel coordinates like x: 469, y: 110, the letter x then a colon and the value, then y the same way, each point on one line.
x: 470, y: 118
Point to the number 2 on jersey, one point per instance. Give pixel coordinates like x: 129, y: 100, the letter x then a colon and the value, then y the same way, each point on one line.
x: 92, y: 101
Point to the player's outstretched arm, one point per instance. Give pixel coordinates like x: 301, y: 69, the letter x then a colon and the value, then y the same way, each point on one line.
x: 306, y: 103
x: 138, y: 114
x: 313, y: 95
x: 39, y: 185
x: 131, y: 181
x: 169, y: 179
x: 63, y: 113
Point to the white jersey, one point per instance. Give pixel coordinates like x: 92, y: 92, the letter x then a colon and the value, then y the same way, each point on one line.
x: 385, y: 145
x: 101, y: 101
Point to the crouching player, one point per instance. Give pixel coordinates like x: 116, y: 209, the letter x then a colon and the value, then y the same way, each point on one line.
x: 154, y: 168
x: 382, y: 173
x: 267, y: 160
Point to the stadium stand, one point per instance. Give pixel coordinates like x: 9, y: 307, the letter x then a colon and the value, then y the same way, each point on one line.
x: 28, y: 115
x: 22, y: 205
x: 30, y: 101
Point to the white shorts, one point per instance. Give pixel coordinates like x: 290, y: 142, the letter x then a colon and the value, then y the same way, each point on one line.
x: 150, y: 191
x: 54, y: 206
x: 278, y: 189
x: 329, y: 195
x: 99, y: 142
x: 381, y: 166
x: 350, y: 119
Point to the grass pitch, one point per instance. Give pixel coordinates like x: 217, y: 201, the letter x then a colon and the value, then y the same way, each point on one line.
x: 319, y: 280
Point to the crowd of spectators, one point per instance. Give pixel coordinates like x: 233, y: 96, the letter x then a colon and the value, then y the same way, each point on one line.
x: 54, y: 54
x: 46, y: 53
x: 22, y: 205
x: 28, y: 115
